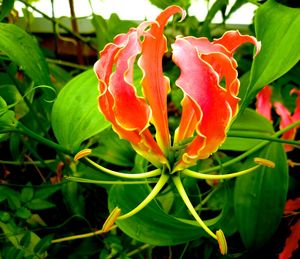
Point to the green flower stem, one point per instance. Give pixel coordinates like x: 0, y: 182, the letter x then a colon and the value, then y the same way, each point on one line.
x: 243, y: 134
x: 177, y: 181
x: 153, y: 173
x: 250, y: 151
x: 159, y: 185
x: 218, y: 176
x: 24, y: 130
x: 83, y: 180
x: 91, y: 234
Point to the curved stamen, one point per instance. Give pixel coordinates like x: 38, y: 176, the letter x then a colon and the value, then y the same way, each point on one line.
x: 260, y: 162
x: 159, y: 185
x: 152, y: 173
x: 177, y: 181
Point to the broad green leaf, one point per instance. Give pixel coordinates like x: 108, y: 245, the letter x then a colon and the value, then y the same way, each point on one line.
x: 75, y: 114
x: 6, y: 7
x: 113, y: 149
x: 260, y: 196
x: 277, y: 27
x: 22, y: 48
x: 249, y: 122
x: 154, y: 226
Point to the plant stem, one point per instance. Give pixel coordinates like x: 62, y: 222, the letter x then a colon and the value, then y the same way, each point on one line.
x: 76, y: 35
x: 22, y: 93
x: 24, y: 130
x: 83, y: 180
x: 218, y: 176
x: 177, y: 181
x: 242, y: 134
x: 80, y: 59
x: 91, y: 234
x: 153, y: 173
x: 66, y: 64
x: 252, y: 150
x: 159, y: 185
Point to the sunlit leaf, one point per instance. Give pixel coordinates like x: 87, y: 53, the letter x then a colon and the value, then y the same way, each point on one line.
x: 75, y: 114
x: 22, y: 48
x: 277, y: 27
x: 256, y: 195
x: 249, y: 122
x: 153, y: 225
x: 6, y: 7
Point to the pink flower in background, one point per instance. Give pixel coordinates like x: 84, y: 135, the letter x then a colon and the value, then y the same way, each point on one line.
x: 264, y: 107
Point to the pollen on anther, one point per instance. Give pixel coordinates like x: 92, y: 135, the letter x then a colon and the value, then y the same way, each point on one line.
x: 264, y: 162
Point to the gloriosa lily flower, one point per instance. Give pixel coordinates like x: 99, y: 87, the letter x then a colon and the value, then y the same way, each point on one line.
x: 264, y: 107
x: 210, y: 85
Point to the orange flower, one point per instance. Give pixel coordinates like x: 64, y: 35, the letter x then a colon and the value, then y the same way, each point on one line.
x: 208, y: 105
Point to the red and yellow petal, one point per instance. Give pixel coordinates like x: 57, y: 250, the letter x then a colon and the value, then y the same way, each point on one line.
x: 263, y: 102
x: 231, y: 40
x: 286, y: 119
x: 118, y: 100
x: 155, y: 85
x: 213, y: 105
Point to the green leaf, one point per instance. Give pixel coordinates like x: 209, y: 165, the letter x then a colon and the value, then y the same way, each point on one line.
x: 106, y: 30
x: 23, y: 213
x: 25, y: 240
x: 73, y: 198
x: 162, y: 4
x: 154, y: 226
x: 75, y: 114
x: 277, y: 27
x: 27, y: 193
x: 259, y: 197
x: 22, y: 48
x: 113, y: 149
x: 43, y: 244
x: 218, y: 5
x: 249, y: 122
x: 4, y: 216
x: 46, y: 191
x: 39, y: 204
x: 6, y: 7
x: 15, y: 234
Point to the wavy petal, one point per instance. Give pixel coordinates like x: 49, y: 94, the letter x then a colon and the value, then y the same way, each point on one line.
x: 296, y: 114
x: 263, y: 102
x: 212, y: 104
x: 118, y: 100
x: 286, y: 119
x: 155, y: 85
x: 231, y: 40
